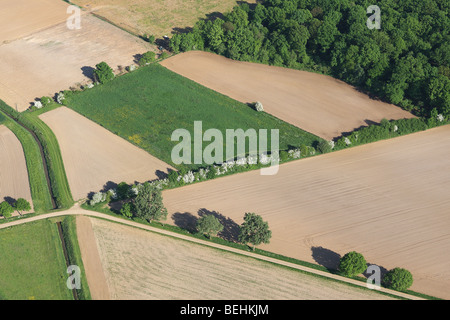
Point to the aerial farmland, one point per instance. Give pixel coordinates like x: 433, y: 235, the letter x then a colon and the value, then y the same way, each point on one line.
x: 188, y: 151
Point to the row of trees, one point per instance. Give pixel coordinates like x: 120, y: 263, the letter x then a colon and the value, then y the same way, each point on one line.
x: 145, y: 202
x: 406, y: 62
x: 19, y: 205
x: 354, y: 263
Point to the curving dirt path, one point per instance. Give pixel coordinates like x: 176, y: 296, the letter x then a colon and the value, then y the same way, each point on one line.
x: 76, y: 210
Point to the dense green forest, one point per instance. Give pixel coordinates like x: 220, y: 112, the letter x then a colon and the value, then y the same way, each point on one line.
x: 405, y: 62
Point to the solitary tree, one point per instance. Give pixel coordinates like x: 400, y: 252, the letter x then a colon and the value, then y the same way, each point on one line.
x: 103, y: 72
x: 6, y: 209
x: 254, y: 230
x: 22, y: 205
x: 149, y: 204
x: 352, y: 263
x: 209, y: 225
x: 398, y: 279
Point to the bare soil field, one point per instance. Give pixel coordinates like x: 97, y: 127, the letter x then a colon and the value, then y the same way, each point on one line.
x: 14, y: 182
x: 319, y: 104
x: 19, y: 18
x: 93, y: 156
x: 143, y: 265
x: 57, y: 58
x: 388, y: 200
x: 154, y: 16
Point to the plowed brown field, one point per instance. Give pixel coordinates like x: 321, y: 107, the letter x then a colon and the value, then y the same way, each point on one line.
x: 54, y: 59
x: 316, y: 103
x: 94, y: 156
x: 14, y: 182
x: 388, y: 200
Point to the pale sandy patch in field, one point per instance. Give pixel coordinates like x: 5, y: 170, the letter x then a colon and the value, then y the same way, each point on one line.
x: 14, y: 182
x: 94, y: 156
x: 19, y: 18
x: 388, y: 200
x: 57, y: 58
x: 316, y: 103
x: 155, y: 16
x: 143, y: 265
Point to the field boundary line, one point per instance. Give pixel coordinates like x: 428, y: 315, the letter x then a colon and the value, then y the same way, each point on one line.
x: 76, y: 210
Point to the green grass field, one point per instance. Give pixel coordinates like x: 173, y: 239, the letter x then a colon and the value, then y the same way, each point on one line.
x: 55, y: 164
x: 32, y: 264
x: 147, y: 105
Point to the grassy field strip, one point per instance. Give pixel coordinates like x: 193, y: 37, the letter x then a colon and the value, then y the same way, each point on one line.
x: 55, y: 165
x: 38, y: 183
x: 43, y: 274
x: 146, y: 106
x: 77, y: 211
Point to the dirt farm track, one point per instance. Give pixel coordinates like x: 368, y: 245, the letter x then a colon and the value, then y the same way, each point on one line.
x: 388, y: 200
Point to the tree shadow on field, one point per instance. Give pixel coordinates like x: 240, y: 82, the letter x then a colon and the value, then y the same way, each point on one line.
x: 186, y: 221
x: 137, y: 57
x: 88, y: 72
x: 326, y: 258
x: 230, y: 230
x: 109, y: 185
x: 161, y: 174
x: 10, y: 200
x: 367, y: 121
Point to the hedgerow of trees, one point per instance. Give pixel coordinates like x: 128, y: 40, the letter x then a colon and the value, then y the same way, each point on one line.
x: 406, y: 62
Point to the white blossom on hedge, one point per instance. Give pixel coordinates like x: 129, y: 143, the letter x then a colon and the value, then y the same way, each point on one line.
x: 294, y: 153
x: 395, y: 128
x: 60, y: 97
x: 347, y: 141
x: 331, y: 143
x: 188, y: 177
x: 241, y: 161
x: 202, y: 174
x: 440, y: 117
x: 113, y: 194
x: 38, y: 104
x: 252, y: 159
x: 264, y: 158
x: 98, y: 198
x: 259, y: 107
x: 90, y: 85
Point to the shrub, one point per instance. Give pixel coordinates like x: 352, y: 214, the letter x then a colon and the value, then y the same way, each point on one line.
x: 103, y: 72
x: 6, y: 209
x: 147, y: 58
x: 97, y: 198
x: 164, y: 55
x: 127, y: 210
x: 46, y: 101
x: 398, y: 279
x: 324, y: 146
x: 259, y: 107
x: 352, y: 264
